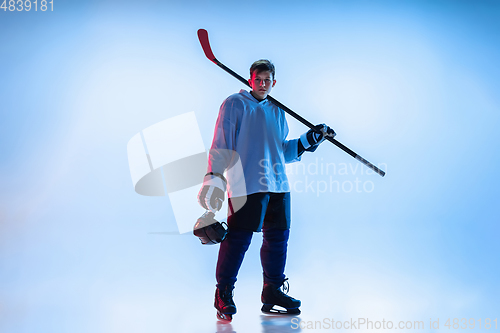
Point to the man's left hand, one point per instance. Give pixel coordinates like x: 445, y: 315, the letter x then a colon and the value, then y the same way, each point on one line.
x: 312, y: 138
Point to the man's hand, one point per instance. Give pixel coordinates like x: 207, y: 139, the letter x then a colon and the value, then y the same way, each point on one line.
x: 312, y: 138
x: 211, y: 195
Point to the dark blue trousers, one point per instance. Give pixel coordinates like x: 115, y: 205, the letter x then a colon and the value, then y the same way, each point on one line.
x: 269, y: 212
x: 272, y: 255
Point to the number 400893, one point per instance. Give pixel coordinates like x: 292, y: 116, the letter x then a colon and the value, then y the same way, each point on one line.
x: 27, y: 5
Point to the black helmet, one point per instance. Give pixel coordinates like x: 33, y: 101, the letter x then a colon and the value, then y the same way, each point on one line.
x: 209, y: 230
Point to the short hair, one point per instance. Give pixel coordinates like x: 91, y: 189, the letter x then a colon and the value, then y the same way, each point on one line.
x: 262, y: 65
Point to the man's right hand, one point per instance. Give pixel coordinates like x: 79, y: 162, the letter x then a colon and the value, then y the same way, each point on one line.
x: 211, y: 195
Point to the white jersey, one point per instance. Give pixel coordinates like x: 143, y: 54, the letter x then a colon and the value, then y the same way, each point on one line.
x: 250, y: 143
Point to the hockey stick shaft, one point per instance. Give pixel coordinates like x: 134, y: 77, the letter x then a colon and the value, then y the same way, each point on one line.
x: 205, y: 44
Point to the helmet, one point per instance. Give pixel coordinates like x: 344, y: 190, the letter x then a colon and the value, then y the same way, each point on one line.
x: 209, y: 230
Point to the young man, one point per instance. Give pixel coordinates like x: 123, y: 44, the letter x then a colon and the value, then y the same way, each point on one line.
x: 251, y: 132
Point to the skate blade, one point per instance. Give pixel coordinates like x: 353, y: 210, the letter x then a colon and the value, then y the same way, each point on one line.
x: 270, y: 309
x: 224, y: 317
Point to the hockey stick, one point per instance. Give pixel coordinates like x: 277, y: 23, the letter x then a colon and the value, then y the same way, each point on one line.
x: 205, y: 44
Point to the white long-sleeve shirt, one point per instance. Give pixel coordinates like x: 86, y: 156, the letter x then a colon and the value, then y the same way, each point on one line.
x: 250, y: 143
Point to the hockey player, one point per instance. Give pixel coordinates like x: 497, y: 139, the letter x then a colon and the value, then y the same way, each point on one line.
x: 252, y: 131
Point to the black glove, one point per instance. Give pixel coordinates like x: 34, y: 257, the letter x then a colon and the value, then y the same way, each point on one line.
x: 312, y: 138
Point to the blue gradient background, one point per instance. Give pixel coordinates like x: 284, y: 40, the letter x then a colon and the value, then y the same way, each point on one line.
x: 410, y: 84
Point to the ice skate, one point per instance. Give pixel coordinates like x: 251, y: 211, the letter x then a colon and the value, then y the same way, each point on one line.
x: 272, y: 295
x: 224, y: 304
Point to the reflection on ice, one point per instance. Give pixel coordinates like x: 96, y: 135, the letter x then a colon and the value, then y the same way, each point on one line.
x: 269, y: 324
x: 224, y: 327
x: 278, y: 324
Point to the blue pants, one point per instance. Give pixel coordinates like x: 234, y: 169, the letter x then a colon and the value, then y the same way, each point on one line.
x: 260, y: 210
x: 272, y: 255
x: 269, y: 212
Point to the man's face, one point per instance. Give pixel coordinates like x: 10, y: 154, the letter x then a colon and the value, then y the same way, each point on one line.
x: 261, y: 83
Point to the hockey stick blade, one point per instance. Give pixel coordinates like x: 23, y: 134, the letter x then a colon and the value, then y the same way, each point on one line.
x: 205, y: 44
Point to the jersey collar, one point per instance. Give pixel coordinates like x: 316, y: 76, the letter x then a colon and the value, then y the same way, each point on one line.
x: 249, y: 95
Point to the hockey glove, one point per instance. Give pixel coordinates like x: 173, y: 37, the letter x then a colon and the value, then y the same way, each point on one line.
x: 312, y: 138
x: 211, y: 195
